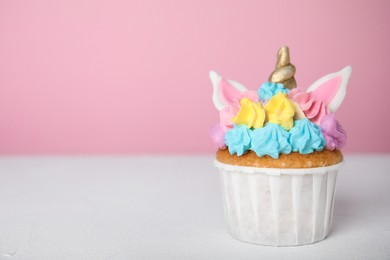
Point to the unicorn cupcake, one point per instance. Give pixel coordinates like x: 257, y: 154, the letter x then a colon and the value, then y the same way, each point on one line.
x: 279, y: 154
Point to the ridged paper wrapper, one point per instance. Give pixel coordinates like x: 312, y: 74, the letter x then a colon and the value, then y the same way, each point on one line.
x: 278, y: 207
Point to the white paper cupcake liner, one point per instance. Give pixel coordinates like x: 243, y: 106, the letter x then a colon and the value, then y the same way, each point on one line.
x: 278, y: 207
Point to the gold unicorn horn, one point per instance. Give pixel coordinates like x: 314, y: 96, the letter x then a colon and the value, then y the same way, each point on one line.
x: 284, y: 71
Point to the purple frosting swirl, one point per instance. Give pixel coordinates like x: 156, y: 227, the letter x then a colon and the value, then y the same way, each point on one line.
x: 334, y: 133
x: 218, y: 136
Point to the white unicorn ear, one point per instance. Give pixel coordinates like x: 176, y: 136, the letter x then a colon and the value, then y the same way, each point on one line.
x: 222, y: 92
x: 331, y: 88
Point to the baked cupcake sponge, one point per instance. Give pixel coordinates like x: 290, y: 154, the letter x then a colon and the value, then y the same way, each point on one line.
x: 292, y: 160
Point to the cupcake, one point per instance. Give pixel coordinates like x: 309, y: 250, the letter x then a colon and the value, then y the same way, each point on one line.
x: 279, y: 154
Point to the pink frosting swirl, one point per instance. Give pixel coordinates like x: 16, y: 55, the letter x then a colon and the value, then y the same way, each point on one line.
x: 227, y: 113
x: 334, y: 133
x: 313, y: 109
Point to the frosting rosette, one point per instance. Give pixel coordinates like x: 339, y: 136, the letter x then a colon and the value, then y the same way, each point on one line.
x: 270, y: 140
x: 306, y: 137
x: 217, y: 135
x: 313, y: 109
x: 227, y: 113
x: 280, y: 110
x: 238, y: 139
x: 334, y: 133
x: 250, y: 114
x: 270, y: 89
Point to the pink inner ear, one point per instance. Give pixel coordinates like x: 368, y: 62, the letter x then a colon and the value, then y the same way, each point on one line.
x: 327, y: 90
x: 228, y: 92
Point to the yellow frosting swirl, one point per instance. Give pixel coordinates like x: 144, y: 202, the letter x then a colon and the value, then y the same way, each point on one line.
x: 280, y: 110
x: 250, y: 114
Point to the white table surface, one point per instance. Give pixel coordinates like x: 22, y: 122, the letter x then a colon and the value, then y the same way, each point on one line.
x: 167, y: 207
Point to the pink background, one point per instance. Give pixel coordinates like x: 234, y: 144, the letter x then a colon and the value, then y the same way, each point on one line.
x: 132, y: 76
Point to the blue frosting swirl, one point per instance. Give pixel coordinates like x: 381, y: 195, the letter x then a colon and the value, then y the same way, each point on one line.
x: 306, y: 137
x: 272, y: 140
x: 269, y: 89
x: 238, y: 139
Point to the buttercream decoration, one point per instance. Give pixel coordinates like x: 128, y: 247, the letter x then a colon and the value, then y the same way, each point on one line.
x: 298, y: 112
x: 280, y: 110
x: 250, y: 114
x: 335, y: 135
x: 313, y: 109
x: 284, y: 71
x: 331, y: 88
x: 225, y: 91
x: 270, y: 89
x: 238, y: 139
x: 270, y: 140
x: 306, y: 137
x: 227, y: 113
x: 218, y: 136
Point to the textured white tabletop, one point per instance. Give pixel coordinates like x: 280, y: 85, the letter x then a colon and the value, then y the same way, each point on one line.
x: 167, y: 207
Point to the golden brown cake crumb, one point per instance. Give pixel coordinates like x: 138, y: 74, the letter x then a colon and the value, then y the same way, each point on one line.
x: 292, y: 160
